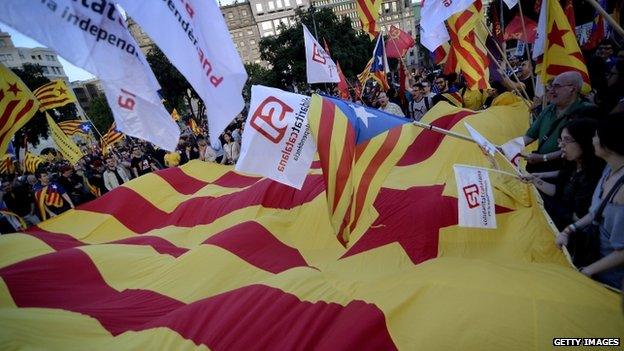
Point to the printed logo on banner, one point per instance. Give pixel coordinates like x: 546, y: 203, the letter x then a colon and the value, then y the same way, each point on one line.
x: 268, y: 119
x: 318, y: 55
x: 471, y: 192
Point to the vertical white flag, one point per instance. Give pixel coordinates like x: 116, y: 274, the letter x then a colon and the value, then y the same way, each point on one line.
x: 93, y: 36
x: 277, y: 142
x: 485, y: 144
x: 432, y: 17
x: 513, y: 149
x: 195, y: 38
x: 540, y: 38
x: 320, y: 68
x: 476, y: 205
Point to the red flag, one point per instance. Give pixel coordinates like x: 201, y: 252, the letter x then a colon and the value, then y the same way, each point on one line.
x: 497, y: 28
x: 343, y: 87
x: 398, y: 42
x: 514, y: 30
x: 569, y: 12
x: 598, y: 31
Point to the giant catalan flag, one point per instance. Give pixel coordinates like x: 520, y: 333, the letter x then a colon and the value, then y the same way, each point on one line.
x: 201, y: 257
x: 54, y: 94
x: 17, y: 106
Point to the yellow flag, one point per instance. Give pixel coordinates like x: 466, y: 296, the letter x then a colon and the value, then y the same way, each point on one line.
x: 54, y: 94
x: 66, y: 146
x: 175, y: 115
x: 561, y: 50
x: 32, y: 162
x: 17, y: 106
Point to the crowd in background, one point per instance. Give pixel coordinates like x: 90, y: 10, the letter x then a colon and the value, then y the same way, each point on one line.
x: 577, y: 165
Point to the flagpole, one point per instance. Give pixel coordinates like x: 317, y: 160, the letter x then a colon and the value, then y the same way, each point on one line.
x: 504, y: 57
x: 526, y: 44
x: 606, y: 16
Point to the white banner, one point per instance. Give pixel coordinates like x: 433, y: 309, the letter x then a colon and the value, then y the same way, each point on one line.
x: 540, y: 38
x: 476, y: 206
x: 433, y: 15
x: 92, y: 35
x: 320, y: 68
x: 277, y: 143
x: 485, y: 144
x: 513, y: 149
x: 195, y: 38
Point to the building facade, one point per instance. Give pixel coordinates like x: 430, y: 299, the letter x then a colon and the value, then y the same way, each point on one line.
x: 270, y: 14
x: 86, y: 91
x: 244, y: 31
x: 16, y: 57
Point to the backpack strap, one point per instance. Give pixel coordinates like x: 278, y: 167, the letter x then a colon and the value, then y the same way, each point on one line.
x: 607, y: 199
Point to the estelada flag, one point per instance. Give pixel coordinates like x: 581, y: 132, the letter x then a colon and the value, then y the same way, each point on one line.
x: 561, y: 52
x: 54, y: 94
x: 17, y: 106
x: 121, y: 272
x: 398, y: 42
x: 32, y: 162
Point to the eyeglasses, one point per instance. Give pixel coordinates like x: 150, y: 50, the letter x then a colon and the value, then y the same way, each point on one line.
x: 557, y: 86
x: 566, y: 141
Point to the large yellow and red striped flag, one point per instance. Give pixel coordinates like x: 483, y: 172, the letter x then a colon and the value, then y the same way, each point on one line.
x: 121, y: 272
x: 557, y: 41
x: 74, y: 126
x: 54, y: 94
x: 111, y: 137
x: 467, y: 45
x: 357, y: 147
x: 368, y: 13
x: 17, y: 106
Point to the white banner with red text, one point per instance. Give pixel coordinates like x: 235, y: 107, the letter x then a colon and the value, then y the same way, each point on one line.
x: 277, y: 143
x: 475, y: 198
x: 195, y: 38
x: 93, y: 36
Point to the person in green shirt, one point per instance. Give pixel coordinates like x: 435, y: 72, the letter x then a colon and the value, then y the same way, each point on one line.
x: 566, y: 104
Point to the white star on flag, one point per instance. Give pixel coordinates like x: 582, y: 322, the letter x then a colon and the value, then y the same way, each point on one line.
x: 362, y: 114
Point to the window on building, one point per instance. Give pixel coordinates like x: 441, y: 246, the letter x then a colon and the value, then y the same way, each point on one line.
x: 2, y: 44
x: 243, y: 12
x: 230, y: 15
x: 259, y: 8
x: 268, y: 34
x: 45, y: 69
x: 386, y: 7
x: 299, y: 2
x: 39, y: 57
x: 33, y: 57
x: 242, y: 43
x: 266, y: 25
x: 279, y: 4
x: 271, y: 5
x: 394, y: 6
x: 252, y: 41
x: 21, y: 55
x: 287, y: 3
x: 249, y: 32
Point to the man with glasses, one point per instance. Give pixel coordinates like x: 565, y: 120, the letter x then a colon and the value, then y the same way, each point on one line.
x: 566, y: 105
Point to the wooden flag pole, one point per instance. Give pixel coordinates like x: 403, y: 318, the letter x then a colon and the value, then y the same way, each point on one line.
x: 606, y: 16
x: 526, y: 44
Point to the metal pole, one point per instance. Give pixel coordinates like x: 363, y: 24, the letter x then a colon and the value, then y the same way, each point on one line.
x: 606, y: 16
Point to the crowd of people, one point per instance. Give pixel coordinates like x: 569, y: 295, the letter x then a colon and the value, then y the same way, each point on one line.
x: 56, y: 186
x: 577, y: 165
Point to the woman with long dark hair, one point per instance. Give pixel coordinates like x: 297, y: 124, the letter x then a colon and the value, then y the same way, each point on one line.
x: 605, y: 221
x: 568, y: 198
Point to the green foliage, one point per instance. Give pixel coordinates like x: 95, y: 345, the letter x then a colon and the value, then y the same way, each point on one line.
x: 176, y: 90
x: 37, y: 127
x: 258, y: 75
x: 286, y: 51
x: 100, y: 114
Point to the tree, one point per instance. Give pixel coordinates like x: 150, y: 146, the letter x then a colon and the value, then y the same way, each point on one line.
x: 100, y: 114
x: 258, y: 75
x: 37, y: 127
x: 286, y: 51
x: 176, y: 90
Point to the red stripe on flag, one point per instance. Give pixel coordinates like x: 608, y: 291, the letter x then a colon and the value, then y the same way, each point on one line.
x: 180, y: 181
x: 366, y: 11
x: 326, y: 124
x: 235, y: 180
x: 259, y: 247
x: 47, y: 97
x: 343, y: 172
x: 392, y: 138
x: 23, y: 112
x: 555, y: 70
x: 428, y: 141
x: 53, y: 102
x: 126, y: 205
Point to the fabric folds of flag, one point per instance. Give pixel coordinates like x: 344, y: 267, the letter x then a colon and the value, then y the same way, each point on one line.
x: 32, y: 162
x: 54, y: 94
x: 467, y: 42
x: 398, y: 43
x: 75, y: 126
x: 194, y: 127
x: 561, y: 52
x: 377, y: 66
x: 17, y: 106
x: 111, y: 137
x: 357, y: 147
x: 64, y: 144
x: 368, y: 13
